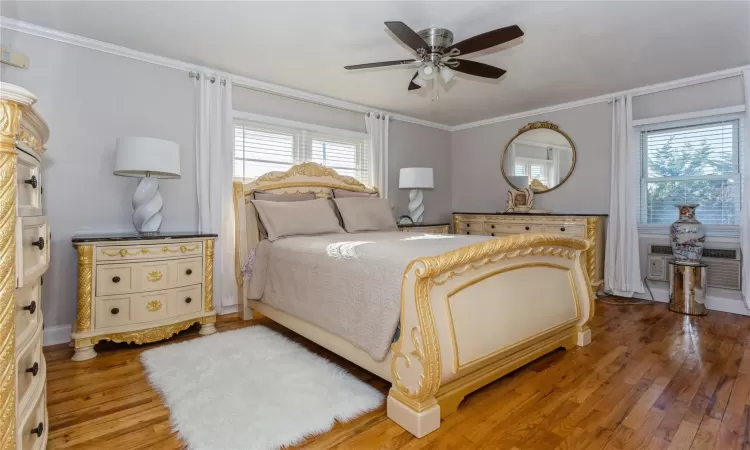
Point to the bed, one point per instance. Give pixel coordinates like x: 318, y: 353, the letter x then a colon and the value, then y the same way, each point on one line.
x: 467, y: 311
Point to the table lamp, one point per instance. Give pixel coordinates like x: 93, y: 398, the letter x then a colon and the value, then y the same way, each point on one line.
x: 149, y: 159
x: 416, y: 179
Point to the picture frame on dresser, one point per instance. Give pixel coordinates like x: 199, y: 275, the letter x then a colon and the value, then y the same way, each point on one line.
x: 24, y: 258
x: 142, y: 288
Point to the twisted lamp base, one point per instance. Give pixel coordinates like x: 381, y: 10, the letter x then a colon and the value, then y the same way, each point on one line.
x: 416, y: 205
x: 147, y: 203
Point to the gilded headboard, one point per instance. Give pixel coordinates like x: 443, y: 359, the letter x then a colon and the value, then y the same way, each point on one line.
x: 301, y: 178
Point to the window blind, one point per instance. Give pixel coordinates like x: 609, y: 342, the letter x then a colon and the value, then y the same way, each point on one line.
x: 261, y: 148
x: 697, y: 163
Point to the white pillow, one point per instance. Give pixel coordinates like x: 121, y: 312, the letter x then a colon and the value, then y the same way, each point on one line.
x: 366, y: 214
x: 310, y: 217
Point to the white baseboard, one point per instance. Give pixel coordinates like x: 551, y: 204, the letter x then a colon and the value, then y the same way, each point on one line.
x: 59, y: 334
x: 715, y: 302
x: 228, y: 310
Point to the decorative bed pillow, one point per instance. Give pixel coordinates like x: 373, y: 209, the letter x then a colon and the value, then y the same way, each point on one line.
x: 366, y: 214
x: 272, y: 197
x: 343, y: 193
x: 283, y: 219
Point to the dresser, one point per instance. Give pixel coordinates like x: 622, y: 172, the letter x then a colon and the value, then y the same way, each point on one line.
x: 429, y: 228
x: 142, y: 288
x: 587, y: 226
x: 24, y: 258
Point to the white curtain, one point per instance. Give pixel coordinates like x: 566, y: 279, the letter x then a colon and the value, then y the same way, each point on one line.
x: 555, y: 172
x: 622, y: 270
x: 214, y: 147
x: 745, y: 215
x: 377, y: 134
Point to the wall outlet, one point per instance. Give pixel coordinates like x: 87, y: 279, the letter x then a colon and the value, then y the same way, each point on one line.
x: 14, y: 58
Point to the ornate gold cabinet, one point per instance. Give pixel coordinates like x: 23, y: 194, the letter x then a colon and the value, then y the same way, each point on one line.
x: 591, y: 227
x: 24, y: 257
x: 142, y: 288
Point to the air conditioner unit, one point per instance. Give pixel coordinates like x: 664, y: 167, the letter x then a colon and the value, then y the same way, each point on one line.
x: 724, y: 265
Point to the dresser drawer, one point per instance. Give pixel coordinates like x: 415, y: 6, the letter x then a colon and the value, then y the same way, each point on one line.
x: 187, y: 300
x: 32, y: 248
x: 472, y: 232
x: 112, y: 311
x: 29, y: 190
x: 32, y: 428
x: 28, y: 310
x: 154, y: 276
x: 514, y: 228
x: 568, y: 230
x: 30, y: 367
x: 136, y: 252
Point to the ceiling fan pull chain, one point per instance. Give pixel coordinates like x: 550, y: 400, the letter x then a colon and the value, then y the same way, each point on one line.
x: 435, y: 87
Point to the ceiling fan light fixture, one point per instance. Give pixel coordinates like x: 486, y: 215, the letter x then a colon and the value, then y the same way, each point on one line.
x: 427, y: 72
x: 447, y: 74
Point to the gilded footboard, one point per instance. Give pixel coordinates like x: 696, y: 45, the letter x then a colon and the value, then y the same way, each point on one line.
x: 471, y: 315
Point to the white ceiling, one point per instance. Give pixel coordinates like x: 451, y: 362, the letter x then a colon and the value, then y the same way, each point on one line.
x: 570, y: 51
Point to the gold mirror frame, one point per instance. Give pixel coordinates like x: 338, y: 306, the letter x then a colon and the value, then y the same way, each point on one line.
x: 536, y: 126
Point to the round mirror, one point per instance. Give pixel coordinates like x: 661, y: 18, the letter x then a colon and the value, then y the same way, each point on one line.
x: 540, y: 157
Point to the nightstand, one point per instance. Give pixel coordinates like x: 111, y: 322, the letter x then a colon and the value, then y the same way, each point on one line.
x: 429, y: 228
x: 142, y: 288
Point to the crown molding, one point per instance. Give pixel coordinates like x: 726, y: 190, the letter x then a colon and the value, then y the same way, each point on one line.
x: 239, y: 80
x: 644, y: 90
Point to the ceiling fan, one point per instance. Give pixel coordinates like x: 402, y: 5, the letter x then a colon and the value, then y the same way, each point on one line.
x: 436, y: 54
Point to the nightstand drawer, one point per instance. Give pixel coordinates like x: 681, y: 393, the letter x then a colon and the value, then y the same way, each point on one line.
x: 32, y: 248
x: 189, y: 271
x: 154, y: 276
x: 29, y: 190
x: 116, y: 279
x: 112, y: 312
x: 187, y: 300
x: 28, y: 310
x: 136, y: 252
x: 149, y: 307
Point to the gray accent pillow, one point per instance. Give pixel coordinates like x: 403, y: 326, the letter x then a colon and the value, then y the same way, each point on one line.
x: 284, y: 219
x: 343, y: 193
x: 273, y: 197
x: 366, y: 214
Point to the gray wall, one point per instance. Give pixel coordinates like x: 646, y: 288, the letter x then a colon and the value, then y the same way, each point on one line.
x: 89, y: 99
x: 478, y: 185
x: 698, y: 97
x: 412, y: 145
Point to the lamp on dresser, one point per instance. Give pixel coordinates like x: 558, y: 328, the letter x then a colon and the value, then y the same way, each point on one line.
x: 416, y: 179
x: 149, y: 159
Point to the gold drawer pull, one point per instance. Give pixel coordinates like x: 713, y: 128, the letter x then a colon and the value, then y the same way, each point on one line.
x: 153, y: 306
x: 154, y: 276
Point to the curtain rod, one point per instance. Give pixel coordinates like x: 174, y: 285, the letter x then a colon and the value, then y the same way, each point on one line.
x: 197, y: 76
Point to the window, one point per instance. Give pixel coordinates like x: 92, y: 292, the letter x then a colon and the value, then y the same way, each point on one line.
x: 697, y: 163
x: 533, y: 168
x: 261, y: 148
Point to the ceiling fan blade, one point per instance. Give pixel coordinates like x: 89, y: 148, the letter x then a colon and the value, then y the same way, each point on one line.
x: 412, y: 84
x: 406, y: 35
x: 487, y: 40
x: 380, y: 64
x: 477, y: 68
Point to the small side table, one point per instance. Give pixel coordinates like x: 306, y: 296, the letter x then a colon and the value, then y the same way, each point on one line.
x: 429, y: 228
x: 687, y: 288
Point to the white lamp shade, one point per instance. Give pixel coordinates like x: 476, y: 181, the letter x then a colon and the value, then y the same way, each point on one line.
x: 447, y: 74
x: 415, y: 178
x: 519, y: 181
x: 141, y: 156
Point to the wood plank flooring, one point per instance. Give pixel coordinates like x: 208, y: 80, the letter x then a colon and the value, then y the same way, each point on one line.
x: 651, y: 379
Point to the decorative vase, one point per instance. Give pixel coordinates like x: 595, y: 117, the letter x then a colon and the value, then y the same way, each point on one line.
x: 688, y: 236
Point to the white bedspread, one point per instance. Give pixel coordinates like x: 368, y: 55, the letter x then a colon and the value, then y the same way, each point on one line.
x: 348, y: 284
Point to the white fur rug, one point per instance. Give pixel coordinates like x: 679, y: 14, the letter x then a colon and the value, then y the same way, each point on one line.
x: 252, y: 389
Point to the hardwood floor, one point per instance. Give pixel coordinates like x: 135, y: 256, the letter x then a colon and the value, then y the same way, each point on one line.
x: 650, y: 379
